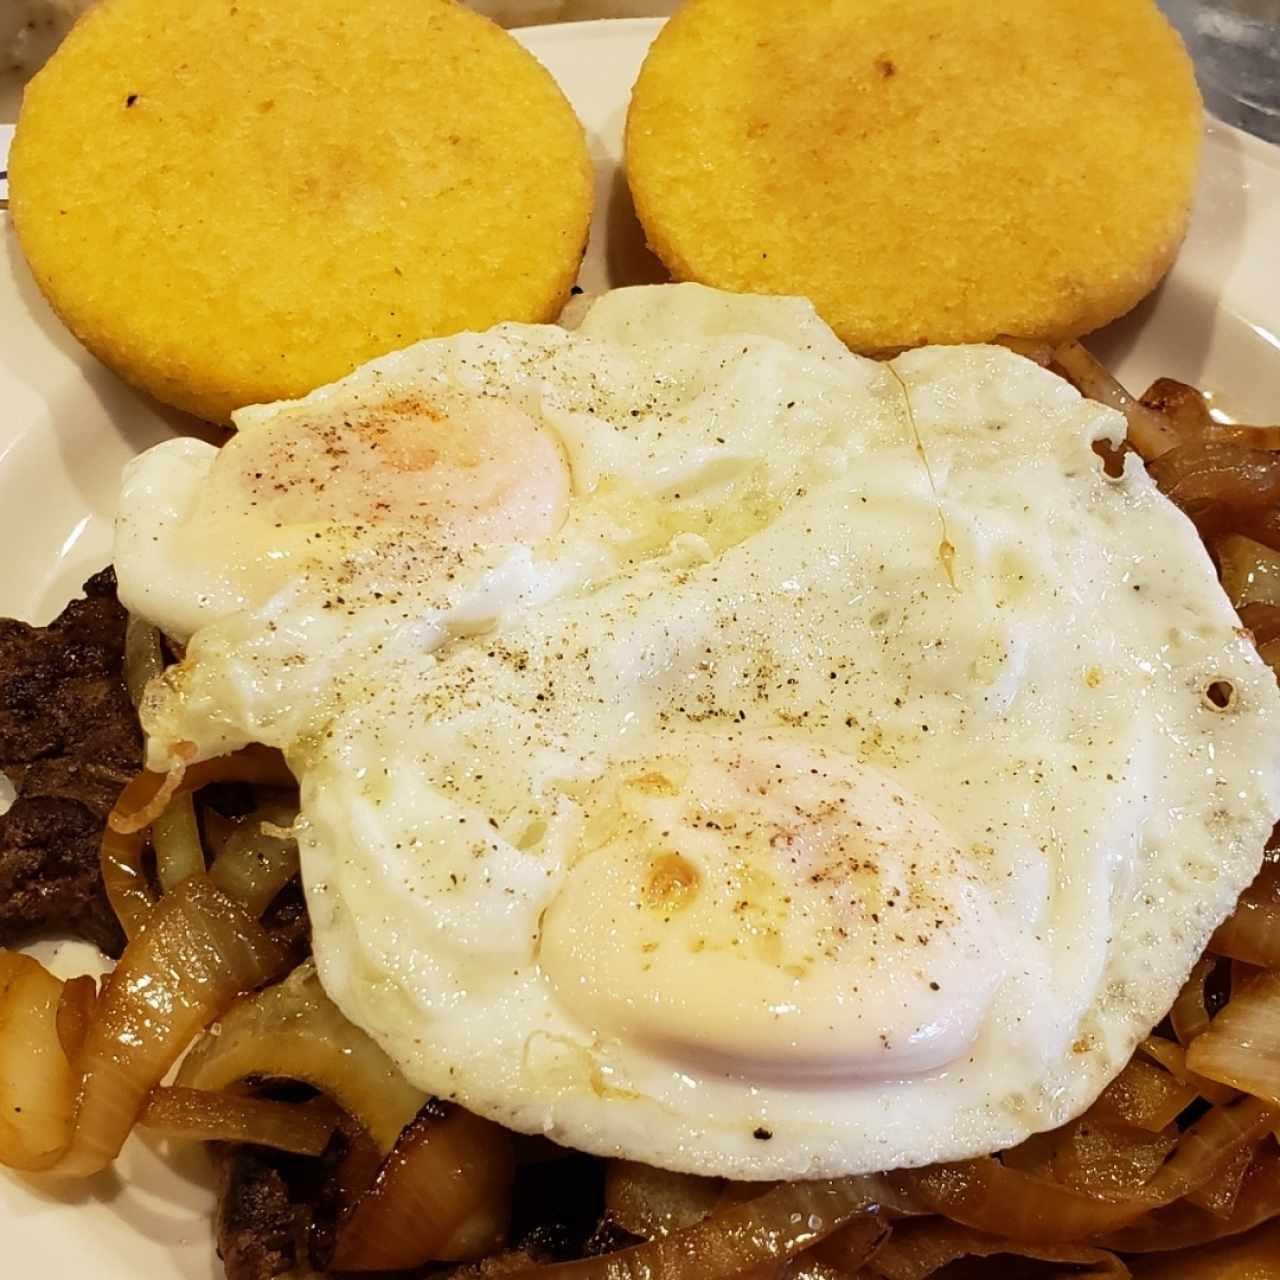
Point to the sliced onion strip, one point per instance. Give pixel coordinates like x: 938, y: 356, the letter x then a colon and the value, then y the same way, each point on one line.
x: 1183, y: 1225
x: 651, y: 1202
x: 76, y: 1007
x: 255, y: 864
x: 443, y: 1195
x: 175, y: 836
x: 37, y: 1082
x: 990, y: 1197
x: 916, y: 1250
x: 199, y: 952
x: 202, y: 1116
x: 1190, y: 1012
x: 293, y: 1031
x: 1242, y: 1045
x: 780, y: 1224
x: 1149, y: 432
x: 124, y: 838
x: 1173, y: 1057
x: 1144, y: 1095
x: 1252, y: 932
x: 143, y: 657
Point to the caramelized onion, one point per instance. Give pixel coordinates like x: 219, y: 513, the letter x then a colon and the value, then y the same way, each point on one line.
x: 1218, y: 485
x: 203, y: 1116
x: 1242, y: 1045
x: 1143, y: 1095
x: 199, y: 951
x: 175, y: 835
x: 124, y: 839
x: 918, y: 1249
x: 1249, y: 571
x: 1240, y: 1257
x: 1004, y: 1202
x: 1190, y: 1012
x: 1107, y: 1159
x: 1183, y: 1225
x: 76, y: 1007
x: 1149, y: 432
x: 443, y: 1195
x: 293, y: 1031
x: 143, y: 657
x: 1254, y: 437
x: 1173, y: 1057
x: 1001, y: 1201
x: 1218, y: 1195
x: 1029, y: 348
x: 1263, y: 621
x: 778, y: 1225
x: 854, y: 1245
x: 653, y: 1202
x: 1252, y: 933
x: 37, y: 1083
x: 1181, y: 405
x: 255, y: 865
x: 1262, y: 526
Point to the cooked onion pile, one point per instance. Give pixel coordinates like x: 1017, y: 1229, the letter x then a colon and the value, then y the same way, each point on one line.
x: 1174, y: 1170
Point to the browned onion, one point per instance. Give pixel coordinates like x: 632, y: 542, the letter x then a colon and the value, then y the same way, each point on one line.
x: 37, y: 1083
x: 1181, y: 405
x: 1145, y: 1096
x: 1252, y: 933
x: 1149, y: 432
x: 443, y: 1195
x: 854, y: 1245
x: 293, y: 1031
x: 1004, y: 1202
x: 256, y: 864
x: 1183, y: 1225
x: 1242, y: 1045
x: 202, y: 1116
x: 76, y: 1007
x: 199, y: 951
x: 1237, y: 1257
x: 917, y: 1249
x: 1190, y: 1012
x: 1219, y: 485
x: 1111, y: 1160
x: 780, y: 1224
x: 124, y: 838
x: 1263, y: 620
x: 1173, y: 1057
x: 1029, y: 348
x: 1218, y: 1195
x: 653, y: 1202
x: 175, y: 835
x: 1001, y: 1201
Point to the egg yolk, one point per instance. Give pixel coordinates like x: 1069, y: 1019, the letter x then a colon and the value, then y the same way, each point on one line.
x: 365, y: 498
x: 469, y: 468
x: 774, y: 908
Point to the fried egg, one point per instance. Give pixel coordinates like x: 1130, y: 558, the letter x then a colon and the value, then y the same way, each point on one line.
x: 717, y: 749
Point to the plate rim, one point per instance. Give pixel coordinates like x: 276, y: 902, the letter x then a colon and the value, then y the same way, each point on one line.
x: 15, y: 1208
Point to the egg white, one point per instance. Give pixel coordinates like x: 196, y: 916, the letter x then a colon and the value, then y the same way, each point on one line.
x: 789, y: 765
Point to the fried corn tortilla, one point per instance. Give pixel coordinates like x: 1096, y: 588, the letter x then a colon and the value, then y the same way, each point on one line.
x: 932, y: 172
x: 232, y: 202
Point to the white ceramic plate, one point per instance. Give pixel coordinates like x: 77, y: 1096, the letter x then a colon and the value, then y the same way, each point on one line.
x: 67, y: 426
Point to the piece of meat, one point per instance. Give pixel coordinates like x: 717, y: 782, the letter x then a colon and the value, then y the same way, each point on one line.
x: 256, y: 1220
x: 69, y: 741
